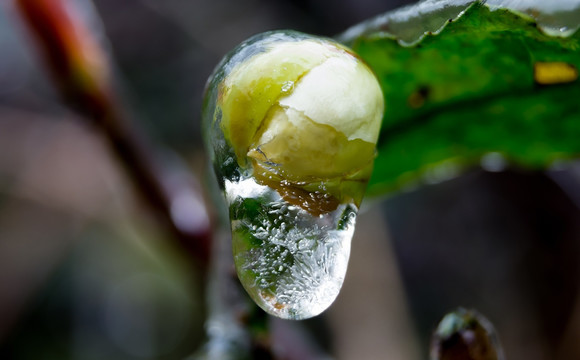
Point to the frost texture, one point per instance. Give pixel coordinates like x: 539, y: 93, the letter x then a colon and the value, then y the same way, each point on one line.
x: 557, y: 18
x: 290, y: 262
x: 409, y: 24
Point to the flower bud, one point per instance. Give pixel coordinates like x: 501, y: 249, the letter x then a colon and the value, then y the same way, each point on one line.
x: 291, y: 125
x: 303, y: 111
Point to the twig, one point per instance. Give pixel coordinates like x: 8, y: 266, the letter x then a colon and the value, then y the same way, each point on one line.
x: 82, y: 72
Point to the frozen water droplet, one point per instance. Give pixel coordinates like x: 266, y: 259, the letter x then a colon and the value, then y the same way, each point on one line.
x: 293, y: 171
x: 292, y: 269
x: 467, y: 335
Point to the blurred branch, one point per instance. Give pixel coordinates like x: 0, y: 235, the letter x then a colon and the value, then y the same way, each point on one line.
x: 237, y: 329
x: 82, y: 72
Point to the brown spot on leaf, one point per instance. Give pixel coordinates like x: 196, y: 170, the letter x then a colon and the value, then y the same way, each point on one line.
x: 418, y: 97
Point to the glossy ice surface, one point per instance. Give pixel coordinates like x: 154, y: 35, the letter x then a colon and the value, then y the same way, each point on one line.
x: 292, y: 263
x: 291, y: 125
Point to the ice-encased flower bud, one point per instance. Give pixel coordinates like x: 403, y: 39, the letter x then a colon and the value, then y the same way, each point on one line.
x: 302, y: 110
x: 291, y: 122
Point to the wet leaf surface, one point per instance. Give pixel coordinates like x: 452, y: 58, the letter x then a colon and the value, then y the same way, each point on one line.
x: 488, y: 82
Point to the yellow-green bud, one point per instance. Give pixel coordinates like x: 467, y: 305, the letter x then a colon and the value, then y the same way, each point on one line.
x: 303, y: 110
x: 291, y: 126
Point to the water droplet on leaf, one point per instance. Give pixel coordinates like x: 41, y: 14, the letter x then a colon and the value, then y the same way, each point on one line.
x: 466, y: 335
x: 300, y: 116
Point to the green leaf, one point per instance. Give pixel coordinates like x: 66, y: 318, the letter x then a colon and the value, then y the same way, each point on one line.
x: 476, y: 87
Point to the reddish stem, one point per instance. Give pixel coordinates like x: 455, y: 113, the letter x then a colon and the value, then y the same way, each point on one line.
x: 81, y: 71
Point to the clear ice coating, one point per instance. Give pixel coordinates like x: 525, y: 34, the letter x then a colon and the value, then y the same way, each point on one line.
x: 291, y: 123
x: 291, y: 262
x: 409, y: 24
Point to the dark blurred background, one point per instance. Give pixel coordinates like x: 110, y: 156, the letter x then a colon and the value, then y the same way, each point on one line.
x: 84, y: 274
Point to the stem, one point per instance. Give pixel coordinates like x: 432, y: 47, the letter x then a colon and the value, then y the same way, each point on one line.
x: 81, y: 70
x: 82, y: 73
